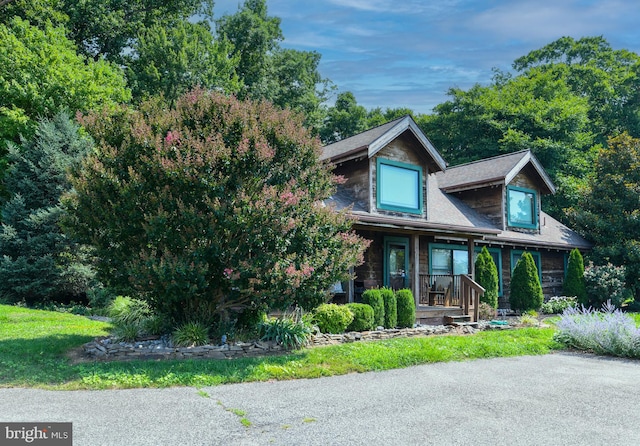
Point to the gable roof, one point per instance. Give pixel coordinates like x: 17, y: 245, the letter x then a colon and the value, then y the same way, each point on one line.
x: 375, y: 139
x: 499, y: 169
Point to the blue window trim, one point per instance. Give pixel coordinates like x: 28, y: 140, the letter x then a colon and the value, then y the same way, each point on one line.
x: 534, y: 225
x: 380, y: 205
x: 534, y: 254
x: 404, y: 241
x: 476, y: 250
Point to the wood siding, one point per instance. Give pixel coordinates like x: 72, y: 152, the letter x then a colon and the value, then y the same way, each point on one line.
x: 487, y: 201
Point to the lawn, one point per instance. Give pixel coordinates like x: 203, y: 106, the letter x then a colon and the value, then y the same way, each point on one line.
x: 33, y: 344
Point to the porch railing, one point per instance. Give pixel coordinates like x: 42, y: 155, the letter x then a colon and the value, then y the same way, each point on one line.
x: 448, y: 290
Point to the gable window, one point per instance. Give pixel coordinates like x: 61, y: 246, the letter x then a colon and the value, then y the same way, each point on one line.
x: 399, y: 186
x: 522, y: 208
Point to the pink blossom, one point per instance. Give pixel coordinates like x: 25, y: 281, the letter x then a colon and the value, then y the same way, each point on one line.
x: 227, y: 272
x: 172, y: 137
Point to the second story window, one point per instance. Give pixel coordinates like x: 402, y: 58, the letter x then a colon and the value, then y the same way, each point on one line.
x: 399, y: 186
x: 522, y: 208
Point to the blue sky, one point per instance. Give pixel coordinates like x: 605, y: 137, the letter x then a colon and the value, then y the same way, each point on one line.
x: 408, y: 53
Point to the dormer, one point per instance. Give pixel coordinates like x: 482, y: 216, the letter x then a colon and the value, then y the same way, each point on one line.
x: 386, y: 169
x: 507, y: 189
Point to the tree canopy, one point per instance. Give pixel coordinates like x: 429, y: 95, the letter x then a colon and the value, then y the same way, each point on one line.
x: 608, y: 211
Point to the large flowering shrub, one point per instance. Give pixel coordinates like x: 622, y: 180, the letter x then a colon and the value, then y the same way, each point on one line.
x: 609, y: 332
x: 605, y: 283
x: 211, y: 206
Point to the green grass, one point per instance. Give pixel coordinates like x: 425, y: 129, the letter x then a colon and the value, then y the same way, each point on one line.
x: 33, y: 344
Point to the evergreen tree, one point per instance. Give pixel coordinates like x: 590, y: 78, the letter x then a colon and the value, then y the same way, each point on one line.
x: 487, y: 277
x: 526, y: 291
x: 574, y: 283
x: 38, y: 261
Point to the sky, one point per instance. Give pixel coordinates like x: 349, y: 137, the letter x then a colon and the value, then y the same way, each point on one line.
x: 409, y: 53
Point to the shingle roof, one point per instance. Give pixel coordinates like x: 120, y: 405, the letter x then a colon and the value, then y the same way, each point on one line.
x: 491, y: 170
x: 359, y: 141
x: 377, y: 138
x: 553, y: 234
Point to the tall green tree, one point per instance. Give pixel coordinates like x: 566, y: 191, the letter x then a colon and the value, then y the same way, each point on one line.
x: 609, y: 79
x: 255, y: 37
x: 41, y: 73
x: 609, y: 210
x: 171, y: 61
x: 574, y: 284
x: 286, y: 77
x: 221, y: 203
x: 105, y: 29
x: 487, y: 277
x: 39, y: 262
x: 346, y: 118
x: 526, y: 290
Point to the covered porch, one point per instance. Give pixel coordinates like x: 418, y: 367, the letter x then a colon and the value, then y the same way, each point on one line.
x: 403, y: 260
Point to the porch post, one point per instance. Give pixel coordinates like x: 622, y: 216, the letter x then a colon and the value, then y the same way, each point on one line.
x: 472, y: 264
x: 415, y: 278
x: 350, y: 286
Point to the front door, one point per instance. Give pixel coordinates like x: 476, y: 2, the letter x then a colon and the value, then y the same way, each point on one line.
x: 396, y: 262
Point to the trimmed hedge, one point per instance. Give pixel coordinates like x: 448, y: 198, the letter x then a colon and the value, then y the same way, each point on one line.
x: 390, y: 308
x: 333, y: 318
x: 574, y: 284
x: 362, y: 317
x: 374, y: 299
x: 526, y: 291
x: 406, y: 308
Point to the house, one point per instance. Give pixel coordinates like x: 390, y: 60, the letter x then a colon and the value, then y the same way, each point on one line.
x: 427, y: 221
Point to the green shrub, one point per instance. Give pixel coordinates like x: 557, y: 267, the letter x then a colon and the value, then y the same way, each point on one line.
x: 487, y: 277
x: 127, y: 331
x: 332, y: 318
x: 406, y: 308
x: 390, y: 308
x: 557, y: 304
x: 191, y: 334
x: 124, y: 309
x: 486, y: 312
x: 605, y: 283
x: 374, y: 299
x: 526, y: 291
x: 574, y: 284
x: 289, y: 331
x: 362, y: 317
x: 130, y: 317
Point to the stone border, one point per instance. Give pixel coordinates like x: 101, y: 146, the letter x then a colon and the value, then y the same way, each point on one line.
x: 106, y: 349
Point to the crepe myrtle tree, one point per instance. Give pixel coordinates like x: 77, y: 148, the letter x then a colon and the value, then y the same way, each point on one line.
x: 210, y: 206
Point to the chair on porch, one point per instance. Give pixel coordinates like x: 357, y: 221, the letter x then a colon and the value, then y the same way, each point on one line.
x: 440, y: 294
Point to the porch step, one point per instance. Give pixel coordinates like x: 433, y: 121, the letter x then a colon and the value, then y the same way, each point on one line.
x: 459, y: 320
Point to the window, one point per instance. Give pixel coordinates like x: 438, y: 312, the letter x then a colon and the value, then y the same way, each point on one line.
x: 522, y: 208
x: 399, y: 186
x: 515, y: 256
x: 453, y: 259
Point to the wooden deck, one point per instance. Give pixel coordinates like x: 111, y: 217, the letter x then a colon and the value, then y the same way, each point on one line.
x: 443, y: 295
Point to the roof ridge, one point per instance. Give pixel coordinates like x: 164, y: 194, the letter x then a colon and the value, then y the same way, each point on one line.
x: 488, y: 159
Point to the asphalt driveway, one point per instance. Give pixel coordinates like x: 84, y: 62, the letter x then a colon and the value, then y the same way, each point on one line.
x: 559, y: 399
